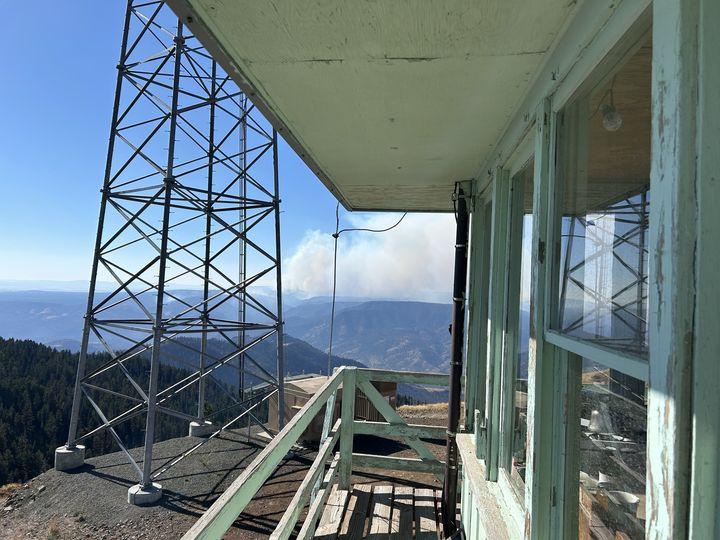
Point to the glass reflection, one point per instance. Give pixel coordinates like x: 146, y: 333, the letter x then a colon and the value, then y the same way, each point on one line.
x: 613, y: 434
x: 605, y: 204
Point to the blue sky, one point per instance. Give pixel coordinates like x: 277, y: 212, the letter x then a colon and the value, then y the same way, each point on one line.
x: 58, y: 67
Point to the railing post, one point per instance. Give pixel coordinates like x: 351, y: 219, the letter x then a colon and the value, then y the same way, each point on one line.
x: 327, y: 426
x: 347, y: 417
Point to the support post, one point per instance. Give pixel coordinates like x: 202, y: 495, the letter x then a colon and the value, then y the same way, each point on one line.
x: 705, y: 482
x: 672, y: 263
x: 242, y: 263
x: 154, y: 491
x: 278, y: 284
x: 347, y: 417
x: 456, y: 362
x: 208, y: 239
x: 496, y: 315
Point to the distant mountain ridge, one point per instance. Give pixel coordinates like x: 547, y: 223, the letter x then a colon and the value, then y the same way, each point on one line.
x: 391, y: 334
x: 403, y: 335
x: 387, y: 334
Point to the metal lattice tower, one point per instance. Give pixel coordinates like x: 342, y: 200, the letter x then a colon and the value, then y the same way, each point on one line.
x: 189, y: 234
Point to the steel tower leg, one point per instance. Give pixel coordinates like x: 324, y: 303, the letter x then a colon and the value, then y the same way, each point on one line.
x: 278, y: 274
x: 146, y: 486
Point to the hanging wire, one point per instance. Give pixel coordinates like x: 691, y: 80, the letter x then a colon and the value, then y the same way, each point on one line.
x: 336, y: 235
x: 334, y: 287
x: 608, y: 92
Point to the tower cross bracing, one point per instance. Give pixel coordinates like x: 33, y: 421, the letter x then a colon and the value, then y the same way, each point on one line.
x: 188, y: 235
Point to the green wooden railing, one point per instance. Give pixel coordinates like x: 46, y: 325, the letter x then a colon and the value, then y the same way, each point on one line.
x: 316, y: 486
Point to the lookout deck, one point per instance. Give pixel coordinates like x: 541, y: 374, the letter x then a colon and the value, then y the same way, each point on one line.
x: 333, y: 471
x: 381, y: 511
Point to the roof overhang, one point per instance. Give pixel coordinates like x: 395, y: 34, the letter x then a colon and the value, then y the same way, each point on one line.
x: 389, y: 103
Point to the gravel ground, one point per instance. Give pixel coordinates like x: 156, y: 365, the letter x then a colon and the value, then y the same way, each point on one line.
x: 92, y: 502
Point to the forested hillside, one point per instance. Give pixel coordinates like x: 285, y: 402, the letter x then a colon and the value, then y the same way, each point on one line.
x: 35, y: 398
x: 36, y: 395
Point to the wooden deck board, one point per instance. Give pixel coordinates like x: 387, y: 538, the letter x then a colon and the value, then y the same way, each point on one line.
x: 383, y: 511
x: 380, y: 513
x: 425, y: 518
x: 401, y: 523
x: 329, y: 526
x: 353, y: 525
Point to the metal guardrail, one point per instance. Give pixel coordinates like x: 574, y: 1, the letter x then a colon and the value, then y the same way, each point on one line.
x: 315, y: 487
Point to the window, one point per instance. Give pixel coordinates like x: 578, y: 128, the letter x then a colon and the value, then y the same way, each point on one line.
x: 601, y: 300
x: 602, y: 274
x: 517, y: 325
x: 477, y: 320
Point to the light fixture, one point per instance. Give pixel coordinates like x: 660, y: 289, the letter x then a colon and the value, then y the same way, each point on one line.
x: 611, y: 119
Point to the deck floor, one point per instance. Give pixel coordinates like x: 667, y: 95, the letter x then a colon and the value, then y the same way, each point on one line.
x: 381, y: 511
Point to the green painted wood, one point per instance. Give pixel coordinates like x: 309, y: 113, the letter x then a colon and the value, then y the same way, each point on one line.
x: 307, y: 531
x: 568, y: 406
x: 382, y: 429
x: 538, y: 475
x: 221, y: 515
x: 478, y: 346
x: 487, y: 498
x: 328, y: 417
x: 347, y: 415
x: 327, y: 424
x: 385, y: 409
x: 626, y: 363
x: 496, y: 310
x: 390, y: 463
x: 472, y: 365
x: 287, y: 523
x: 406, y: 377
x: 511, y: 334
x: 480, y: 243
x: 705, y: 496
x: 673, y: 242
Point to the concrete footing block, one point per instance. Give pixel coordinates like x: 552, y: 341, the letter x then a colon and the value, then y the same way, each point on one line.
x: 204, y: 429
x: 140, y: 495
x: 67, y: 459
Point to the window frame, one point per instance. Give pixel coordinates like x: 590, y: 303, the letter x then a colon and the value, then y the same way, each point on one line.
x: 477, y: 307
x: 554, y: 362
x: 516, y: 165
x: 679, y: 338
x: 570, y: 141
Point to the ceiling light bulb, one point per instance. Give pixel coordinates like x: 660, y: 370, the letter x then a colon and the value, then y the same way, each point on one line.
x: 611, y: 119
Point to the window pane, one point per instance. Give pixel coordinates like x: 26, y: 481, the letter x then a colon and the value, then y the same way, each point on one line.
x: 521, y: 254
x: 613, y: 425
x: 604, y: 231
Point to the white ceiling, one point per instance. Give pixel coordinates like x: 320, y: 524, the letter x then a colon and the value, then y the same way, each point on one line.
x: 389, y: 102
